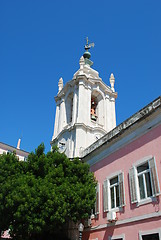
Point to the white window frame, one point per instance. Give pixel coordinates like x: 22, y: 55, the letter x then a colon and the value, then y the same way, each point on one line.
x: 107, y: 194
x: 153, y: 231
x: 117, y: 237
x: 135, y: 190
x: 143, y: 175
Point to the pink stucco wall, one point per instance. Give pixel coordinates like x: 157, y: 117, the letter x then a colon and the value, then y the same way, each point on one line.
x: 131, y: 231
x: 146, y: 145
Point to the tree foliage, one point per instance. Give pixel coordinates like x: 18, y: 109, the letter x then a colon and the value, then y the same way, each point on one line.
x: 40, y: 196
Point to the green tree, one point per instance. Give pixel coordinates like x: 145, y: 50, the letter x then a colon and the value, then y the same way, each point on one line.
x: 40, y: 196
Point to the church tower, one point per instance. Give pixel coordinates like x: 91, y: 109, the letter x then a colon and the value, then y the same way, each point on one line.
x: 85, y: 109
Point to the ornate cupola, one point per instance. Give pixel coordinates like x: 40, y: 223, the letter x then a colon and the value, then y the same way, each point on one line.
x: 85, y: 108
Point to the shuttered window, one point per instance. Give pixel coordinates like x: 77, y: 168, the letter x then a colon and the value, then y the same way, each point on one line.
x: 113, y: 192
x: 143, y: 181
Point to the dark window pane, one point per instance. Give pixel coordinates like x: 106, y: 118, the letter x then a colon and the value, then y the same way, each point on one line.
x: 117, y: 196
x: 143, y: 167
x: 114, y: 180
x: 151, y: 237
x: 148, y: 184
x: 112, y: 198
x: 141, y: 187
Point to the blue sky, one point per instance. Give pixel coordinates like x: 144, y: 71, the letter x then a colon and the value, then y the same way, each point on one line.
x: 41, y: 41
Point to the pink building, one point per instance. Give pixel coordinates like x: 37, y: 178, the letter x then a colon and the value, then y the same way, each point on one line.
x: 127, y: 164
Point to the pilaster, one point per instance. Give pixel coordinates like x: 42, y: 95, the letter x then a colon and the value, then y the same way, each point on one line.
x: 81, y: 102
x: 62, y: 116
x: 56, y: 121
x: 75, y: 103
x: 113, y: 111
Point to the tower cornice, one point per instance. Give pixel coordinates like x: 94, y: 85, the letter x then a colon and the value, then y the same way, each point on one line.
x: 71, y: 127
x: 86, y: 81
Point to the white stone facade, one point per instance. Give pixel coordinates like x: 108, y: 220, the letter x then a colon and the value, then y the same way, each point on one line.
x: 85, y: 110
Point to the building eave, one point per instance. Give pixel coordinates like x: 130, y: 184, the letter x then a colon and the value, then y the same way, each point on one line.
x: 11, y: 148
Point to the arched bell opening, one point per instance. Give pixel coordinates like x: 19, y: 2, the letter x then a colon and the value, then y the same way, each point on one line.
x: 94, y: 103
x: 69, y: 107
x: 97, y: 107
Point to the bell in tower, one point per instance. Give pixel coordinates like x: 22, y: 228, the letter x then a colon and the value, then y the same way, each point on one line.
x: 93, y: 109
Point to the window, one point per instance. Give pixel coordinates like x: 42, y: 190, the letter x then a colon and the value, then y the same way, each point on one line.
x: 143, y: 174
x: 154, y: 234
x: 111, y: 238
x: 143, y: 180
x: 9, y: 151
x: 113, y: 192
x: 120, y: 237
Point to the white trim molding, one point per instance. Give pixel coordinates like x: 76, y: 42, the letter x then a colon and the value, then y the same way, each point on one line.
x: 127, y: 220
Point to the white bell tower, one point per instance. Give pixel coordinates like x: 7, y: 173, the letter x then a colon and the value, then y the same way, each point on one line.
x: 85, y: 109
